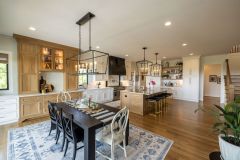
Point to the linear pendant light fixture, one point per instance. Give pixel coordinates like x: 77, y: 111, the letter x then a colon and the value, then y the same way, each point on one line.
x: 155, y: 68
x: 90, y: 61
x: 143, y: 66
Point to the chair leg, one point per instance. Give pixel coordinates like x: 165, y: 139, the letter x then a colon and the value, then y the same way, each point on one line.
x: 112, y: 151
x: 63, y: 142
x: 58, y: 135
x: 124, y: 148
x: 66, y: 148
x: 74, y: 150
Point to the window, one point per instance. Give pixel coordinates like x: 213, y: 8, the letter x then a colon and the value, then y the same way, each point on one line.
x: 3, y: 71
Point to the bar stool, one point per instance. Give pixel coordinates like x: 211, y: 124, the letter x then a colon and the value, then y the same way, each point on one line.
x: 155, y: 102
x: 161, y: 102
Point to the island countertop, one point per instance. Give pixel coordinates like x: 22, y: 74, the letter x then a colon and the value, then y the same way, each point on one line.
x: 147, y: 92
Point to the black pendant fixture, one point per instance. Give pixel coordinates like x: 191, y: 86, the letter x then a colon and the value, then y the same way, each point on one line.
x: 89, y: 61
x: 143, y: 66
x: 155, y: 68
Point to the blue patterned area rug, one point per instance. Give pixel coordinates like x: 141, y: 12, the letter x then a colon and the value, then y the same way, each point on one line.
x: 33, y: 143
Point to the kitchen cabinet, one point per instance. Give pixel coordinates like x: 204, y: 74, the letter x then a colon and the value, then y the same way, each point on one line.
x: 71, y: 80
x: 46, y: 99
x: 190, y: 88
x: 28, y: 67
x: 34, y: 106
x: 133, y: 101
x: 99, y: 95
x: 9, y: 110
x: 51, y: 59
x: 30, y: 107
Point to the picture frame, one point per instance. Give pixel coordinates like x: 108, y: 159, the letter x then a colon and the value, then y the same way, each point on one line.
x: 213, y: 78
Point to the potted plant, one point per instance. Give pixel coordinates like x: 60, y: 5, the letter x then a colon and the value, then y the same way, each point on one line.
x: 228, y: 127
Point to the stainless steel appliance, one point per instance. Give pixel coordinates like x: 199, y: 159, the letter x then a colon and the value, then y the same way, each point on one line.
x: 116, y: 92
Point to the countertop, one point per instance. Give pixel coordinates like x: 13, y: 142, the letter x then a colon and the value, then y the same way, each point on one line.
x: 49, y: 93
x: 147, y: 92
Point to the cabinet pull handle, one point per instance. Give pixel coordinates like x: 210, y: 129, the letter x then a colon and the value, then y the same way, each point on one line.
x: 2, y: 117
x: 2, y: 108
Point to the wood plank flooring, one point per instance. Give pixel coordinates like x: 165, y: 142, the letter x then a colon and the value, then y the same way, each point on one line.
x: 192, y: 133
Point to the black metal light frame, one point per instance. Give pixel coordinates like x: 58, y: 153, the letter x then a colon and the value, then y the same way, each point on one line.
x: 155, y: 69
x: 143, y: 66
x: 89, y: 55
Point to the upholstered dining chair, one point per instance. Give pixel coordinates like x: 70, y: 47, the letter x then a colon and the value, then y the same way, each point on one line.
x: 115, y: 134
x: 73, y: 133
x: 53, y: 116
x: 63, y: 96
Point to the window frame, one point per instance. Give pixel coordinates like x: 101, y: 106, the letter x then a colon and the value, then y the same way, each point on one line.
x: 7, y: 68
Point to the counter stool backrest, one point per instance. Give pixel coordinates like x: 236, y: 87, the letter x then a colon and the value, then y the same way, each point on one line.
x: 52, y: 111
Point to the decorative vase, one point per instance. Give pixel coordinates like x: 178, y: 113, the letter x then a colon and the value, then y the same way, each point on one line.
x: 228, y: 150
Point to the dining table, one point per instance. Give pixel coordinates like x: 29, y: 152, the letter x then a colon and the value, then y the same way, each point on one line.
x: 90, y: 124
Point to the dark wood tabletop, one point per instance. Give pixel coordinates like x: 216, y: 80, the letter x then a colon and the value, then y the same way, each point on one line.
x: 90, y: 125
x: 215, y: 156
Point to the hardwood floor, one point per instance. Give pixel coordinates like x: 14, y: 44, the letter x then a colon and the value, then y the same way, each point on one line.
x: 191, y: 132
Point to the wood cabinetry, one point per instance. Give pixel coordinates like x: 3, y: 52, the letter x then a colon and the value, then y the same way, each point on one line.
x: 30, y: 107
x: 36, y: 55
x: 71, y: 80
x: 28, y: 67
x: 37, y: 106
x: 51, y: 59
x: 133, y: 101
x: 45, y: 99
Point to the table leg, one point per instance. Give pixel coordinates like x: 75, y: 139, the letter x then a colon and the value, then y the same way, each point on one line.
x: 89, y: 144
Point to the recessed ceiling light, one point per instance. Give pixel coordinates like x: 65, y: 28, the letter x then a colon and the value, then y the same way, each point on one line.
x: 191, y: 54
x: 168, y: 23
x: 97, y: 47
x: 126, y: 55
x: 184, y: 44
x: 32, y: 28
x: 164, y: 57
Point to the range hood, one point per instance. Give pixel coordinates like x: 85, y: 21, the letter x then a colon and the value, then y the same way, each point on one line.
x: 116, y: 66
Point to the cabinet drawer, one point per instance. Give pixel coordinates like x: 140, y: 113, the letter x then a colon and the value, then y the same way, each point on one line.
x: 31, y: 98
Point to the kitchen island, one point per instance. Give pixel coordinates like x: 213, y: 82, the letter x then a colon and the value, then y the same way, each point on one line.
x: 136, y: 101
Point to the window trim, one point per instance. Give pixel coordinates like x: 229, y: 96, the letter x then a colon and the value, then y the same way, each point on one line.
x: 5, y: 89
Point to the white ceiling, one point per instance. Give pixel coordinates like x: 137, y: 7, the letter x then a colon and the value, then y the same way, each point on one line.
x: 125, y: 26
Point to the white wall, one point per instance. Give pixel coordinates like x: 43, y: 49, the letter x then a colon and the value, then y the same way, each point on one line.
x: 216, y: 59
x: 54, y: 78
x: 212, y: 89
x: 9, y: 45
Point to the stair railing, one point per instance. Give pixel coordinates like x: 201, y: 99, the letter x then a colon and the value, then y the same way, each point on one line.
x: 230, y: 86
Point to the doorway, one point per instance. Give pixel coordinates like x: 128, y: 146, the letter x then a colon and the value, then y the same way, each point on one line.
x: 212, y: 82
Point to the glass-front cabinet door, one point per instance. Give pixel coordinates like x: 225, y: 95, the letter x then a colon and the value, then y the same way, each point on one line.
x: 46, y: 62
x: 51, y: 59
x: 58, y: 61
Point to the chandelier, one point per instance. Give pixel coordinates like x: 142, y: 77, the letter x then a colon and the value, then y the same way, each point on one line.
x: 89, y: 61
x: 155, y: 68
x: 143, y: 66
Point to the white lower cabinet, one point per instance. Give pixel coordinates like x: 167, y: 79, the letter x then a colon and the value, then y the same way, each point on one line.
x: 99, y: 95
x: 9, y: 109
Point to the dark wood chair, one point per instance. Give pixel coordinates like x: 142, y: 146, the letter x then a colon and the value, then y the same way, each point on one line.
x: 60, y: 126
x: 53, y: 116
x: 73, y: 133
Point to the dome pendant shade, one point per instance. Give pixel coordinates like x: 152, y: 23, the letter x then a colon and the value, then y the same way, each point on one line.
x: 143, y: 66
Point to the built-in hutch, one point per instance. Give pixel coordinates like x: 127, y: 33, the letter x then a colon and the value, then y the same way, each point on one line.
x: 37, y: 58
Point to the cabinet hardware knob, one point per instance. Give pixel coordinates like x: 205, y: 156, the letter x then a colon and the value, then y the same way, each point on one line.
x: 125, y: 95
